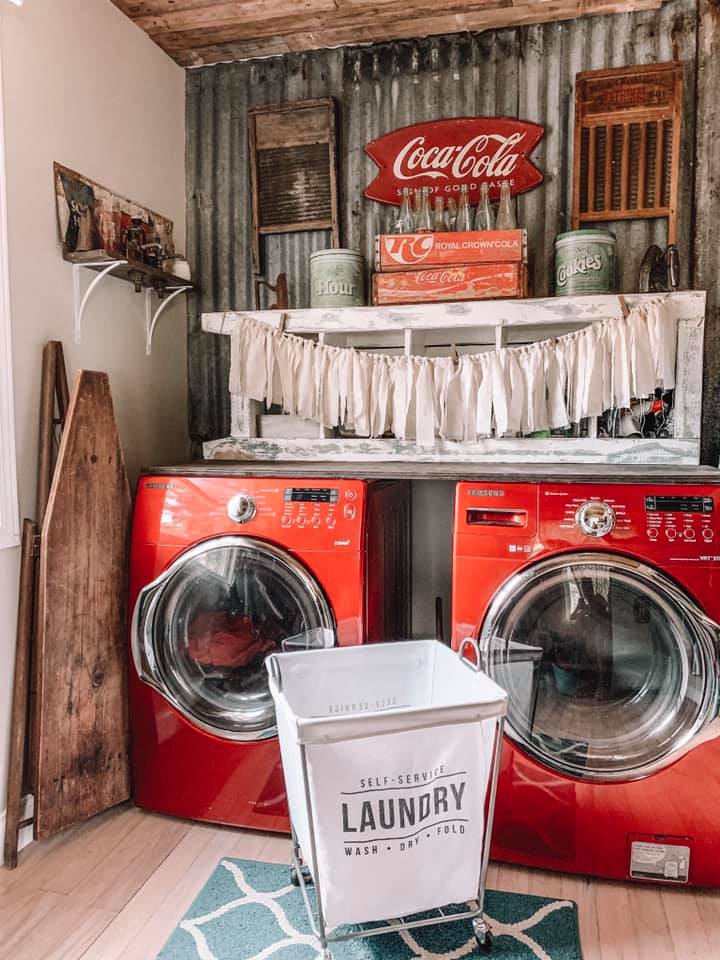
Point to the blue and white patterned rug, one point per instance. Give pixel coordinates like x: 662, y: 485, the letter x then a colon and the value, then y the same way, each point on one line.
x: 248, y: 910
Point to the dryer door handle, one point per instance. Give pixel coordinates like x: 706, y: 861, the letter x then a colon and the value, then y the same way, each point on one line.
x: 141, y: 645
x: 711, y: 630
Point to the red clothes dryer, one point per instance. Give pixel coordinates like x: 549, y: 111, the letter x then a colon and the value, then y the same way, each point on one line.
x: 223, y: 570
x: 595, y: 606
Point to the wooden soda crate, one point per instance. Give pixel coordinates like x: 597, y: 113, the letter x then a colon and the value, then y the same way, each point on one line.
x: 409, y: 251
x: 483, y: 281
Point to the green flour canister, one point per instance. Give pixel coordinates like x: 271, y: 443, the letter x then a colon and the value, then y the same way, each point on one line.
x: 584, y: 262
x: 337, y: 278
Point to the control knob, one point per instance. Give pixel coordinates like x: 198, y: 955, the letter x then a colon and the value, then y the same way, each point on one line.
x: 241, y: 508
x: 595, y: 518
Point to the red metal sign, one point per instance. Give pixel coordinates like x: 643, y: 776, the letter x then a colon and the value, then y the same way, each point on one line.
x: 443, y: 154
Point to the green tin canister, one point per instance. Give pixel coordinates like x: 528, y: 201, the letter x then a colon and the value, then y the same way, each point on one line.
x: 584, y: 262
x: 337, y: 278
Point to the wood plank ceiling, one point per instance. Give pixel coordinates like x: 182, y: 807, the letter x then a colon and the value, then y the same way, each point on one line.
x: 196, y: 32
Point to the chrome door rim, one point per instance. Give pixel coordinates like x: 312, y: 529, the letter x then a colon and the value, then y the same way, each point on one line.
x: 143, y: 621
x: 659, y: 584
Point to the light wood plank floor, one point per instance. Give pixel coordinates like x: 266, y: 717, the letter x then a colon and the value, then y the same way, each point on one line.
x: 116, y: 886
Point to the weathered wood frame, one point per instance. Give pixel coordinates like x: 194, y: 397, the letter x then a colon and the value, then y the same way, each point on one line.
x: 625, y: 117
x: 324, y: 105
x: 433, y: 330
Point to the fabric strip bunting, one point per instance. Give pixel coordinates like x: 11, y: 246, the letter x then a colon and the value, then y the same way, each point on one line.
x: 508, y: 391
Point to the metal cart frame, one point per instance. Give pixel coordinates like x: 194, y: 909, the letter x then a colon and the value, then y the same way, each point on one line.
x: 300, y: 873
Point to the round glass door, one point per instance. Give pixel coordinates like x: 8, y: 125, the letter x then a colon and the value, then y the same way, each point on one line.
x: 609, y: 667
x: 202, y: 631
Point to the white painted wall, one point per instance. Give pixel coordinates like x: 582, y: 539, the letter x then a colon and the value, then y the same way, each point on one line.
x: 85, y: 87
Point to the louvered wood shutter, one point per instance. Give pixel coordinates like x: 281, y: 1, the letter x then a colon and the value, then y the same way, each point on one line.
x: 627, y: 144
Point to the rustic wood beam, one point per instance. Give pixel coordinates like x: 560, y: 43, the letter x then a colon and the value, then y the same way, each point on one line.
x: 196, y: 32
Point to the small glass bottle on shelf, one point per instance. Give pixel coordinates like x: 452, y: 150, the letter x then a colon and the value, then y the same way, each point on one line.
x: 416, y: 203
x: 484, y: 218
x: 404, y: 221
x: 423, y: 223
x: 451, y: 213
x: 439, y: 222
x: 506, y: 214
x: 464, y: 214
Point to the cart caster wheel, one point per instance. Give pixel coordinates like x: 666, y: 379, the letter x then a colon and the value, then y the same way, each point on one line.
x: 485, y: 942
x: 483, y: 935
x: 295, y: 879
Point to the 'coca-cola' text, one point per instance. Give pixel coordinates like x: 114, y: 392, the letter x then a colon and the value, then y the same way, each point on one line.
x: 445, y: 154
x: 488, y: 155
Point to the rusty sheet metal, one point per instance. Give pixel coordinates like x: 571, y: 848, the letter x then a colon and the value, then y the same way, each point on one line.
x: 706, y: 257
x: 526, y: 72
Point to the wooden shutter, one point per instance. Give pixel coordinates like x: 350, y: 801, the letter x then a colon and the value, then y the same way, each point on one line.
x: 293, y: 171
x: 627, y: 144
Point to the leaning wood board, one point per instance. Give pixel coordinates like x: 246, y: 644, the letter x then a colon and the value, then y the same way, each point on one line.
x: 21, y: 695
x: 81, y: 711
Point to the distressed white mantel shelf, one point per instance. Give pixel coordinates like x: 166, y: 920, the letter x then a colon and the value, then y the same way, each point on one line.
x: 554, y: 311
x: 435, y: 330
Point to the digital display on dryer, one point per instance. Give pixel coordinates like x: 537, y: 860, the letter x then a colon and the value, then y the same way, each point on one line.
x: 666, y: 504
x: 312, y: 495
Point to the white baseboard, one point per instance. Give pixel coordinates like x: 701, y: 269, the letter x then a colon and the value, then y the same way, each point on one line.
x: 26, y: 834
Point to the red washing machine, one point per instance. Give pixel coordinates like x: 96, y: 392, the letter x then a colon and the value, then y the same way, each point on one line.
x: 595, y: 605
x: 223, y: 570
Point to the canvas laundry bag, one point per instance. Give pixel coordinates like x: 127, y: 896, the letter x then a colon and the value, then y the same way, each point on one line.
x: 387, y: 751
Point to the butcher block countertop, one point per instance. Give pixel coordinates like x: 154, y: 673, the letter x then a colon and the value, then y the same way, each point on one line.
x: 547, y: 473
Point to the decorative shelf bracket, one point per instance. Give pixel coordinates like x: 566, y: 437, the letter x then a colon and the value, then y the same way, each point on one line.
x: 81, y: 303
x: 151, y: 318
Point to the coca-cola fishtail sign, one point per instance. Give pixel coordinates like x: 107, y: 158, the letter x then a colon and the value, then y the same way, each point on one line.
x: 443, y: 154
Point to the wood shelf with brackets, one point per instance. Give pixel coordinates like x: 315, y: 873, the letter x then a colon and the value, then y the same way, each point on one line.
x: 147, y: 279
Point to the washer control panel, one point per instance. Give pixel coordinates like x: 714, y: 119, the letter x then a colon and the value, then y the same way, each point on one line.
x: 662, y: 522
x: 594, y: 515
x: 241, y: 508
x: 318, y: 507
x: 675, y: 519
x: 595, y: 518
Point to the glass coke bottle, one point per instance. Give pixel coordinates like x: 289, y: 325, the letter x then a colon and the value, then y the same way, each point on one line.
x: 439, y: 222
x: 423, y: 222
x: 404, y: 221
x: 464, y: 214
x: 484, y: 218
x: 506, y: 215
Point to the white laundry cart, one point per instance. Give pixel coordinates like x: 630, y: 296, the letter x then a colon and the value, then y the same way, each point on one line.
x: 391, y: 756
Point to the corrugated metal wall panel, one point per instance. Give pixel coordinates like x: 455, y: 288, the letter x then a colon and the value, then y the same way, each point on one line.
x: 706, y: 272
x: 527, y: 72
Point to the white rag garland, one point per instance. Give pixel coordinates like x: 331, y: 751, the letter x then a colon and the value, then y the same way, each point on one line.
x: 544, y: 385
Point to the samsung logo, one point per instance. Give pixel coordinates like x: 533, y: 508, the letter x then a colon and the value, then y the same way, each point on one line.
x: 486, y: 493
